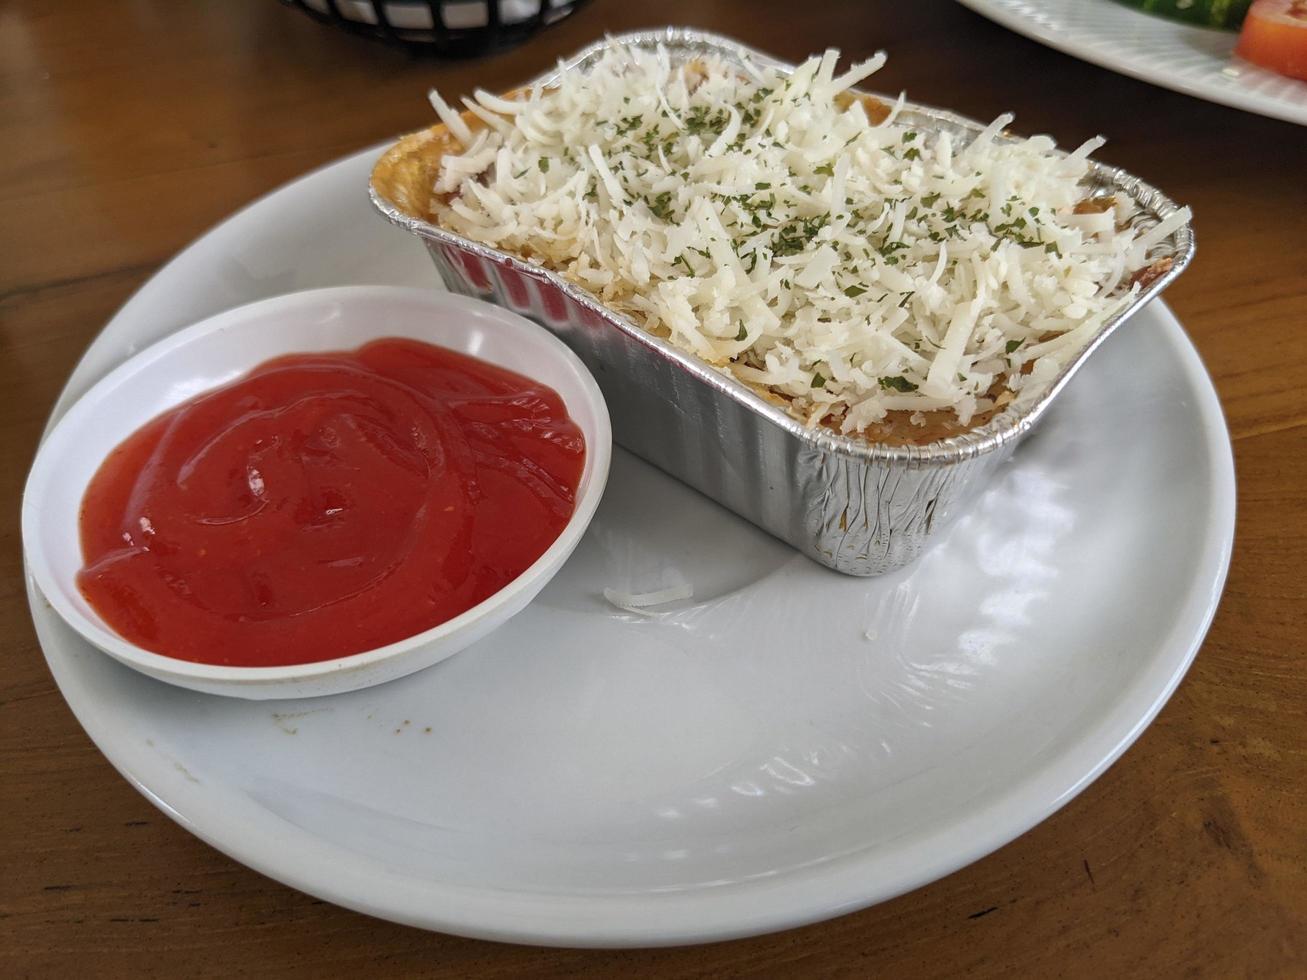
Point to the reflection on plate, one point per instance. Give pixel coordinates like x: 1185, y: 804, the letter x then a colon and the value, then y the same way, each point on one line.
x: 787, y: 745
x: 1193, y: 60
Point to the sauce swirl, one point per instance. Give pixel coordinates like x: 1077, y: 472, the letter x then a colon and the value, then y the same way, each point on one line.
x: 327, y: 504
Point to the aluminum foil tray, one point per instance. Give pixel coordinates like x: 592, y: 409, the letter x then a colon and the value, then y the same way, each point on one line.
x: 858, y: 507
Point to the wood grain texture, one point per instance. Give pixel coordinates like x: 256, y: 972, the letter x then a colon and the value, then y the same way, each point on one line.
x: 127, y: 127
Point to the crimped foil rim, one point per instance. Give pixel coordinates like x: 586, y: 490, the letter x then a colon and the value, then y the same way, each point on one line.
x: 1004, y: 427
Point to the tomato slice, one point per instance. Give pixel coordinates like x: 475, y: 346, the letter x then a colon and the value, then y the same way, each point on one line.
x: 1275, y: 37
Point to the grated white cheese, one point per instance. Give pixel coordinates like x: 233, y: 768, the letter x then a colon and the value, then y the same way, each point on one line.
x: 853, y: 268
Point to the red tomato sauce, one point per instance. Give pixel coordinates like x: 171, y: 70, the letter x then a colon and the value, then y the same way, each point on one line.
x: 327, y: 504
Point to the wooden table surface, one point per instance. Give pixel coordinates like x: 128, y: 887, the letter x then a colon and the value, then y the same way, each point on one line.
x: 129, y: 127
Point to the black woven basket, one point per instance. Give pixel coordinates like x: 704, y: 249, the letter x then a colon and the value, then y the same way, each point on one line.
x: 451, y: 28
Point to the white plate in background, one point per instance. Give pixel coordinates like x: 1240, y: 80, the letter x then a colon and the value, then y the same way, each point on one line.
x: 1195, y: 60
x: 788, y: 745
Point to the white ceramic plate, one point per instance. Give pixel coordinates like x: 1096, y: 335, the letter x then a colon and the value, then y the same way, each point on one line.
x: 1174, y: 55
x: 789, y: 745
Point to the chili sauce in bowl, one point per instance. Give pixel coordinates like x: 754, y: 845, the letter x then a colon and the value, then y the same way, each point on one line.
x: 326, y: 504
x: 317, y: 492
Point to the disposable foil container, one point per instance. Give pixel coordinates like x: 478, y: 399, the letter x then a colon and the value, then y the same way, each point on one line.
x: 857, y: 507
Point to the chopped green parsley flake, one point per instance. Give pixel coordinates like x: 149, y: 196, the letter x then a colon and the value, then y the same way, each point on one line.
x: 897, y: 383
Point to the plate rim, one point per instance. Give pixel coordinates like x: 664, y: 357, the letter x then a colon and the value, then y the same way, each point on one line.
x: 745, y: 908
x: 1234, y: 98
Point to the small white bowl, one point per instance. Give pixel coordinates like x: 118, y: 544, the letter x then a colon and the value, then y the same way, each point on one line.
x: 221, y: 349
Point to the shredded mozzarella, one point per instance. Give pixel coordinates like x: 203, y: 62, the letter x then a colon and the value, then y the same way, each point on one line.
x: 852, y: 267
